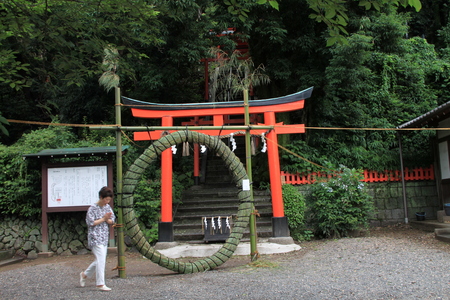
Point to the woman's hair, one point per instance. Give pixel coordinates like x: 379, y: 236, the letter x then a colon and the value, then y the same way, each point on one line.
x: 105, y: 192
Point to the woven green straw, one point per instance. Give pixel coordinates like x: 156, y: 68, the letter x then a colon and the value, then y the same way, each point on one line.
x: 133, y: 175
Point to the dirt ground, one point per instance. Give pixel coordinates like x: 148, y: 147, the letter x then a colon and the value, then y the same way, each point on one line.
x: 137, y: 265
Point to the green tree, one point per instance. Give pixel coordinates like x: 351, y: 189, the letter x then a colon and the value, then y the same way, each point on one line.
x: 388, y: 80
x: 334, y: 13
x: 51, y: 51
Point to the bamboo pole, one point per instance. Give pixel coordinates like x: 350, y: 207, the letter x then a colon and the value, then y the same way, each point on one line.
x: 248, y: 164
x: 178, y: 128
x: 120, y: 228
x: 402, y: 172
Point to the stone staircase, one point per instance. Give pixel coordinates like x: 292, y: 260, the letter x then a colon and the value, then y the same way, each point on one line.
x: 217, y: 196
x: 440, y: 227
x: 443, y: 233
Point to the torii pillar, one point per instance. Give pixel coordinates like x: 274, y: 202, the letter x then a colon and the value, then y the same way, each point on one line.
x: 280, y: 226
x: 165, y: 228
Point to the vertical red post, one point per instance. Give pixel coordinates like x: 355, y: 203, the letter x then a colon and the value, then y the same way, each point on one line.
x: 196, y: 163
x: 166, y: 178
x: 218, y: 120
x: 274, y: 167
x: 196, y: 156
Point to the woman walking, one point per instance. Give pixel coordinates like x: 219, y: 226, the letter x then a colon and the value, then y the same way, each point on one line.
x: 98, y: 218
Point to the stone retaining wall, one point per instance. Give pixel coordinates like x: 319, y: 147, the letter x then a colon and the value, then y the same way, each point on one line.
x: 67, y: 234
x: 421, y: 196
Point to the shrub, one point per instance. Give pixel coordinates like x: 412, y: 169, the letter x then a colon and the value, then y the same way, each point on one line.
x: 20, y: 192
x: 294, y: 208
x: 340, y: 204
x: 147, y: 205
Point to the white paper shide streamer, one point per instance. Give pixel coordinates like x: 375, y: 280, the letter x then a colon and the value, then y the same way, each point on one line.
x: 233, y: 142
x: 213, y: 225
x: 264, y: 148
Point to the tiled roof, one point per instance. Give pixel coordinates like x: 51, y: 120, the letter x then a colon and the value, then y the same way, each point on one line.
x: 432, y: 117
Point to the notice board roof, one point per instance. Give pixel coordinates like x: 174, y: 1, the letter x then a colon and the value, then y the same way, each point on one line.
x: 75, y: 152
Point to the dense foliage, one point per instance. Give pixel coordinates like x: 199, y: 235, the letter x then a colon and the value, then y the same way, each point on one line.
x: 21, y: 188
x: 340, y: 204
x: 294, y: 209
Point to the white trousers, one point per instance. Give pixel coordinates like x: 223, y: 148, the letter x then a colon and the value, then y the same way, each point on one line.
x: 98, y: 265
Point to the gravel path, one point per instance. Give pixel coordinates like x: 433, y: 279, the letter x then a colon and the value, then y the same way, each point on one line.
x: 376, y: 267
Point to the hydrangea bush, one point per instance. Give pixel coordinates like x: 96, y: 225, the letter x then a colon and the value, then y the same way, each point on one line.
x: 340, y: 204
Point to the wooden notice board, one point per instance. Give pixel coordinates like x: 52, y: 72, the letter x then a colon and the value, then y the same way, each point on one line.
x: 74, y: 186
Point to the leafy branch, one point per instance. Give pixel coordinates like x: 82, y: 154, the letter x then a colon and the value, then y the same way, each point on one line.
x: 238, y: 7
x: 109, y: 78
x: 234, y: 74
x: 333, y: 14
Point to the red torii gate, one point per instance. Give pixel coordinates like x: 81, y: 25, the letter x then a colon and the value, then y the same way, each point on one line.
x: 219, y: 111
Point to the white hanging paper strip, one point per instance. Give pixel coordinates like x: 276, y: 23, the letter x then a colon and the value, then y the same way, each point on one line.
x: 185, y: 148
x: 202, y: 148
x: 212, y: 223
x: 228, y: 223
x: 245, y: 184
x: 233, y: 142
x: 206, y: 223
x: 252, y: 143
x: 219, y: 223
x: 174, y: 149
x: 264, y: 148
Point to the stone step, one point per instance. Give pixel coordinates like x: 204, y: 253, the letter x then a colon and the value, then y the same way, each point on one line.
x: 217, y: 168
x: 208, y: 196
x: 199, y: 230
x: 444, y: 238
x: 219, y: 179
x: 261, y: 222
x: 197, y: 223
x: 442, y: 234
x: 194, y: 234
x: 220, y: 202
x: 223, y: 206
x: 224, y: 191
x: 428, y: 225
x: 442, y: 231
x: 6, y: 254
x: 10, y: 261
x: 195, y: 217
x: 230, y: 191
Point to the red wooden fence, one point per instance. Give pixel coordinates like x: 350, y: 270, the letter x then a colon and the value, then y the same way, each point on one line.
x: 369, y: 176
